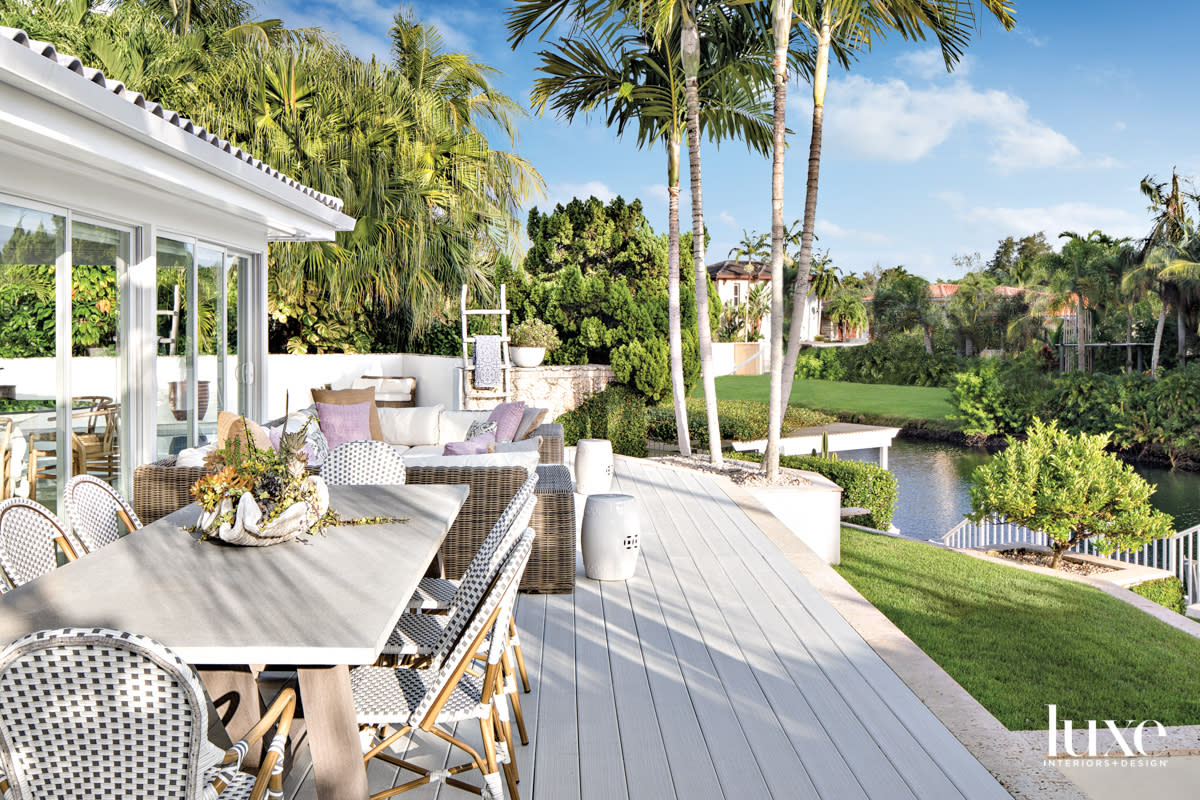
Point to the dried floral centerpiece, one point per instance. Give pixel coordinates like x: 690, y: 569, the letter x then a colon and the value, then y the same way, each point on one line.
x: 258, y: 496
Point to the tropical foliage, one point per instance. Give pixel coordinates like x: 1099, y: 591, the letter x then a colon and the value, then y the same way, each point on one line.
x: 402, y: 142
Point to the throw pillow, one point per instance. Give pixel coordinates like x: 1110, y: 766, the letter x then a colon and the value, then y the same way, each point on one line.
x: 316, y: 446
x: 507, y: 417
x: 524, y: 446
x: 411, y: 426
x: 233, y: 426
x: 348, y: 396
x: 479, y: 428
x: 472, y: 447
x: 531, y: 417
x: 344, y: 422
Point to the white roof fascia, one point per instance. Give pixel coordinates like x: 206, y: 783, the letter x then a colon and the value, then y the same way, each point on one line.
x: 289, y: 213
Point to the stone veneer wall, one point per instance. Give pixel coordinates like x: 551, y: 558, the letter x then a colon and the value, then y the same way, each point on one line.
x: 559, y: 389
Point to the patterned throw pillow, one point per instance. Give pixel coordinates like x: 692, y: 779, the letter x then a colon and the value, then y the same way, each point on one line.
x: 480, y: 427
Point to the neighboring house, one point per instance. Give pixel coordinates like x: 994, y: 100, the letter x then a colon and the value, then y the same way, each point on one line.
x: 735, y: 280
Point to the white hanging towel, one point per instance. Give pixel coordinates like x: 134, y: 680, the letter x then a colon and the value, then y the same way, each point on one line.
x: 487, y: 362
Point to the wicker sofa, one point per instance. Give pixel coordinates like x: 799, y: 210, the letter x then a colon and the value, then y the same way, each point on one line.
x: 160, y: 488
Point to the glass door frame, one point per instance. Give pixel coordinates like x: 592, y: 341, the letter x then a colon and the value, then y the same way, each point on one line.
x: 64, y: 339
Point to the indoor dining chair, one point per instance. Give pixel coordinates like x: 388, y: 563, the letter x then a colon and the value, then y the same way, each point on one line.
x: 28, y: 535
x: 98, y: 516
x: 101, y: 713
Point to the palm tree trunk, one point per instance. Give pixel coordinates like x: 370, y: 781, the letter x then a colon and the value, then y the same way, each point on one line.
x: 1158, y: 332
x: 1180, y: 330
x: 782, y: 27
x: 1081, y: 344
x: 674, y: 335
x: 690, y: 52
x: 804, y: 263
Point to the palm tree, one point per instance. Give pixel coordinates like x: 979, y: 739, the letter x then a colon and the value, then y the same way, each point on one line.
x: 1170, y: 231
x: 857, y: 24
x: 667, y: 21
x: 824, y: 281
x: 758, y: 305
x: 640, y: 81
x: 753, y: 246
x: 847, y: 310
x: 1075, y: 277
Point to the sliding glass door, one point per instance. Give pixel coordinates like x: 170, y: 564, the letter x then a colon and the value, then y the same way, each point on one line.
x: 198, y: 358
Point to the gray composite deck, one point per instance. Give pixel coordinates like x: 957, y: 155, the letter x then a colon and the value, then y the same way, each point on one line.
x: 718, y: 671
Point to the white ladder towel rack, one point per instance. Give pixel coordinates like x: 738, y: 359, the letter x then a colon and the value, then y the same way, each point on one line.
x: 504, y: 391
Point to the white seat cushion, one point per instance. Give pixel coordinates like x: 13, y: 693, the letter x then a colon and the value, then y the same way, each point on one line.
x: 456, y: 423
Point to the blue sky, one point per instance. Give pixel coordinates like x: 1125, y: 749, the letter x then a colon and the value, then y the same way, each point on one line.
x: 1047, y: 127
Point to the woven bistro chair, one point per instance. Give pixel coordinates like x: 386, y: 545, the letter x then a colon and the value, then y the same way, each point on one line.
x: 28, y: 533
x: 96, y: 513
x: 434, y: 699
x: 102, y: 713
x: 363, y: 463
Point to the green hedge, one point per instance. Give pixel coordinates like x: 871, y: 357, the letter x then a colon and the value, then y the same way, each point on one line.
x: 740, y: 420
x: 1167, y: 592
x: 863, y: 485
x: 617, y: 414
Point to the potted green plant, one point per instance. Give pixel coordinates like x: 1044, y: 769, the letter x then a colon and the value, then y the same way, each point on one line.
x: 530, y: 341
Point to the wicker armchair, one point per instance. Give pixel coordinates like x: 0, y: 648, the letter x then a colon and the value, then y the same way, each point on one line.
x: 102, y: 713
x: 552, y: 567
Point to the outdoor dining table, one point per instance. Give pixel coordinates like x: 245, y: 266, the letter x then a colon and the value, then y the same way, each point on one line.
x: 321, y: 603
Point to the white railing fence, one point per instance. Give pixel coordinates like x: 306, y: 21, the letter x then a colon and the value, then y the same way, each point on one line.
x: 1178, y: 554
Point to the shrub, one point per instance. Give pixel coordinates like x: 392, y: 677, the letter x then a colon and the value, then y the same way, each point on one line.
x: 1069, y: 488
x: 617, y: 414
x: 535, y: 333
x: 739, y: 420
x: 1000, y: 397
x: 898, y: 359
x: 1167, y: 592
x: 863, y: 485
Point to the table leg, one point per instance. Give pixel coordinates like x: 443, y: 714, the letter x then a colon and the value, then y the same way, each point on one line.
x: 333, y: 733
x: 234, y: 691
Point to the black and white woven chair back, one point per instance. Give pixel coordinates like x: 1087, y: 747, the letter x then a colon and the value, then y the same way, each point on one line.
x: 500, y: 539
x: 363, y: 463
x: 464, y: 646
x: 101, y: 713
x: 27, y: 534
x: 94, y: 509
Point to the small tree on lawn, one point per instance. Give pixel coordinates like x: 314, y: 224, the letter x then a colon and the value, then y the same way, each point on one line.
x: 1071, y: 488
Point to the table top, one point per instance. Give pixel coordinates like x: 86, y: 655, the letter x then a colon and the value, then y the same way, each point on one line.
x: 327, y: 599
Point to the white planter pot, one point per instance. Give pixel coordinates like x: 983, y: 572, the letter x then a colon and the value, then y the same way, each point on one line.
x: 611, y: 537
x: 527, y: 356
x: 812, y: 514
x: 593, y: 466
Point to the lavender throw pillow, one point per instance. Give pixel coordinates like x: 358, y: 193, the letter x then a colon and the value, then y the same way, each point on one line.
x: 471, y: 447
x: 507, y: 417
x: 345, y: 423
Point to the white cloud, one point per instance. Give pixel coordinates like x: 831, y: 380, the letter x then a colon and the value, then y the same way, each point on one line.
x: 727, y: 218
x: 1079, y: 217
x: 1029, y: 36
x: 656, y: 192
x: 564, y: 192
x: 891, y: 121
x: 929, y: 64
x: 453, y: 36
x: 1119, y: 126
x: 831, y: 230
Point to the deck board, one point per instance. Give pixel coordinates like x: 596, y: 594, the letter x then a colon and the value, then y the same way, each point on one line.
x: 717, y: 671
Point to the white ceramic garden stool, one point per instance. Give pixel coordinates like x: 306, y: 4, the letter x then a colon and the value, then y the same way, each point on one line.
x: 593, y: 466
x: 611, y: 537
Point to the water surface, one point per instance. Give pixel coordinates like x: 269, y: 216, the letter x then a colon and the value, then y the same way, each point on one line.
x: 934, y: 477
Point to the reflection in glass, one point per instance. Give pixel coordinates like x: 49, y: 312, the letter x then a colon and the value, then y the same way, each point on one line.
x: 175, y: 404
x: 31, y: 243
x: 210, y: 269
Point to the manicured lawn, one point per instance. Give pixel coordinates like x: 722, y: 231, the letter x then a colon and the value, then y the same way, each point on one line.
x: 907, y: 402
x: 1018, y: 641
